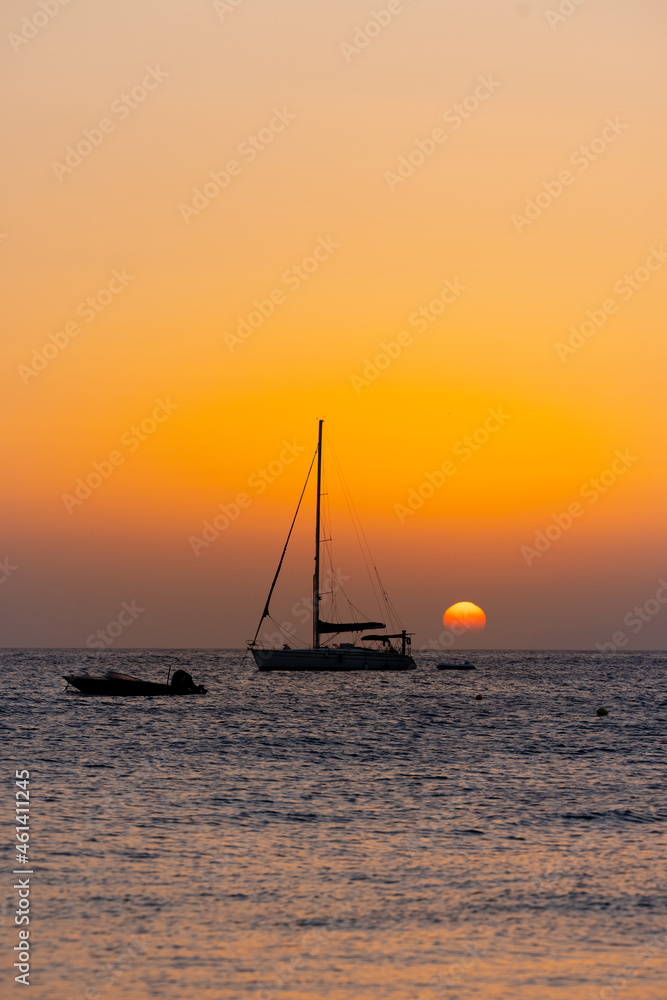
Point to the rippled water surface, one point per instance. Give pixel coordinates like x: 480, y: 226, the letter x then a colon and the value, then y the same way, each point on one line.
x: 343, y: 836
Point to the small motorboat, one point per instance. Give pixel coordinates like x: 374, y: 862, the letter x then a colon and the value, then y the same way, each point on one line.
x: 115, y: 684
x: 456, y: 665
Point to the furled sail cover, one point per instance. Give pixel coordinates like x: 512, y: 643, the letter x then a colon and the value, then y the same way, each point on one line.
x: 328, y: 628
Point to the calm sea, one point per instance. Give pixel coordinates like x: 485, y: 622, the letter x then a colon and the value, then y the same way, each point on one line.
x: 341, y: 836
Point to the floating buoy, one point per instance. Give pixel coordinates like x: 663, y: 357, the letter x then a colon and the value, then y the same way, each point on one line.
x: 478, y: 697
x: 602, y: 711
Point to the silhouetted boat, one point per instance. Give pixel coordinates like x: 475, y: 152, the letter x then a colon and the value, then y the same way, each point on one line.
x: 456, y: 665
x: 383, y: 652
x: 123, y: 685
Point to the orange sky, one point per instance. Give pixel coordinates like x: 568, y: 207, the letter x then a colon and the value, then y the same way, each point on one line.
x: 462, y: 186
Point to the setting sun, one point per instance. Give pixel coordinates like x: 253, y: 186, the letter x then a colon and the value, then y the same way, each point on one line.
x: 465, y: 615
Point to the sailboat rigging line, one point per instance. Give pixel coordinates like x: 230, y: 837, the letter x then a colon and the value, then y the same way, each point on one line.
x: 288, y: 635
x: 265, y: 613
x: 352, y: 609
x: 359, y: 532
x: 327, y: 547
x: 387, y: 599
x: 353, y: 516
x: 354, y: 613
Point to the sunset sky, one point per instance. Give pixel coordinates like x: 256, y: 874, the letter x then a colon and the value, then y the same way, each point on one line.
x: 471, y: 194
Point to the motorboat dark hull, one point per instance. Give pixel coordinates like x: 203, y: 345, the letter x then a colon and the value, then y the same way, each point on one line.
x: 117, y: 688
x: 465, y: 665
x: 327, y: 659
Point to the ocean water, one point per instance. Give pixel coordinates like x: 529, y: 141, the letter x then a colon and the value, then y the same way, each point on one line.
x: 341, y: 836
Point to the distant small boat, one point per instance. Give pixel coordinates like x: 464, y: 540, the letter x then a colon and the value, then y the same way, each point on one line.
x: 115, y: 684
x: 457, y: 665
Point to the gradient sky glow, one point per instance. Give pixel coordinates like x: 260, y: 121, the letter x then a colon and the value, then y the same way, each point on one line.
x: 581, y: 424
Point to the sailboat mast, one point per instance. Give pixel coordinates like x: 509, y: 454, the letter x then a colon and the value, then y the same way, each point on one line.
x: 316, y: 577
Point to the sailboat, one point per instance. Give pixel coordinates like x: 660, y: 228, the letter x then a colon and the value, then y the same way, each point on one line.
x: 377, y: 651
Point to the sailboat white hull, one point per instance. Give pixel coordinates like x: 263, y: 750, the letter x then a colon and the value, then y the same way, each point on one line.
x: 327, y: 659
